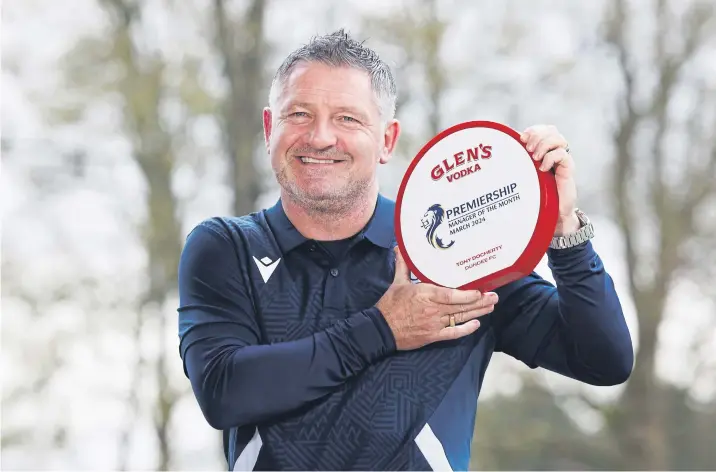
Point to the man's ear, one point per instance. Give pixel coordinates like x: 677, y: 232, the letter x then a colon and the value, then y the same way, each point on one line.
x: 268, y: 120
x: 390, y: 140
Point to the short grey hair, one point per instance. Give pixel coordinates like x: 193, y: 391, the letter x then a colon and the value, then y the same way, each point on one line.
x: 338, y: 49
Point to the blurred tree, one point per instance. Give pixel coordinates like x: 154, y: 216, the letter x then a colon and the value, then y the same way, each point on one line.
x: 141, y: 88
x: 40, y: 355
x: 242, y: 47
x: 536, y: 430
x: 417, y: 32
x: 532, y: 431
x: 660, y: 190
x: 118, y: 64
x: 123, y: 63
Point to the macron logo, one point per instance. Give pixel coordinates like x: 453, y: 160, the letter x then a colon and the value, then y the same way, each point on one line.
x: 266, y: 267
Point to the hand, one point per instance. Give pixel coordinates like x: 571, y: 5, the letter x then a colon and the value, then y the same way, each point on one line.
x: 549, y: 147
x: 419, y: 314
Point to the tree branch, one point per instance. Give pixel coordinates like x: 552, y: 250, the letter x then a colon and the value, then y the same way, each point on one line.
x: 702, y: 183
x: 624, y: 133
x: 127, y: 13
x: 133, y: 400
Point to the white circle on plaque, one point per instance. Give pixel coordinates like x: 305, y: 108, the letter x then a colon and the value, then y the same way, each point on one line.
x: 473, y: 210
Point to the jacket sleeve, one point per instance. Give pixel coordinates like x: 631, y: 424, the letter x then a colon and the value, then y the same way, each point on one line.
x: 576, y: 328
x: 237, y: 378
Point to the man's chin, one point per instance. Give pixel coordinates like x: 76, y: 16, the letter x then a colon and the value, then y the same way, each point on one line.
x: 324, y: 199
x: 320, y: 200
x: 324, y: 196
x: 322, y: 191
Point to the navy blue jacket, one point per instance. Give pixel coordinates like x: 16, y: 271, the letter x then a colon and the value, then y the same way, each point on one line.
x: 287, y: 354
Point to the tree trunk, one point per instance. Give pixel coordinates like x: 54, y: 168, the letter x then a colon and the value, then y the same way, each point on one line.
x: 142, y: 91
x: 639, y: 425
x: 641, y: 421
x: 243, y: 48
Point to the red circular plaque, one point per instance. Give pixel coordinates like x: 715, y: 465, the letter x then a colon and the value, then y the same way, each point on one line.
x: 473, y: 209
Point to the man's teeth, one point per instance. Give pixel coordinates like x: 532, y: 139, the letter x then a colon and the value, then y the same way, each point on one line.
x: 309, y: 160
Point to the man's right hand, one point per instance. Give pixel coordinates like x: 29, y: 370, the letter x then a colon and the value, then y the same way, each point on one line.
x: 419, y: 314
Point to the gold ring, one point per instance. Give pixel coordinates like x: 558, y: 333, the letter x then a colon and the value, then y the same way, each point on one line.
x: 452, y: 321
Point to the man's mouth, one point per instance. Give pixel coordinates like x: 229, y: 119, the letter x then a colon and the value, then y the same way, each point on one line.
x: 311, y: 160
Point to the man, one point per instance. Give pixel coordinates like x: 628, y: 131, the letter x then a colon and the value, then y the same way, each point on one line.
x: 300, y: 330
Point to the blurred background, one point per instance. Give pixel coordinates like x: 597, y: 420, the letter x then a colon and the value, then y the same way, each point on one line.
x: 126, y: 122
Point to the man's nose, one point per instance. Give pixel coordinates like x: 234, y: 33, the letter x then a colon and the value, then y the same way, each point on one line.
x: 322, y: 135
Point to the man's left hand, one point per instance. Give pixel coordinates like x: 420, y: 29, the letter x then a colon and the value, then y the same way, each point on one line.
x: 550, y: 148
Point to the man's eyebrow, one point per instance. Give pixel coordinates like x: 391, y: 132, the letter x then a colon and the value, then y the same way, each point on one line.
x: 293, y: 105
x: 342, y: 108
x: 353, y: 110
x: 298, y: 105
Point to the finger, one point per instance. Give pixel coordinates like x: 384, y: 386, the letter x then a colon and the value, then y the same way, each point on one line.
x: 459, y: 331
x: 486, y: 299
x: 474, y: 311
x: 548, y: 144
x: 402, y: 273
x: 524, y: 137
x: 532, y: 136
x: 453, y: 296
x: 472, y: 314
x: 552, y: 159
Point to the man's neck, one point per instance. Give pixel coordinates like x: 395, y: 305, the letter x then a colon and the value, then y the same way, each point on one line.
x: 331, y: 226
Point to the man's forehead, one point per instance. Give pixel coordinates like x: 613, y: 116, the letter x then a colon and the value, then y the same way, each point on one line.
x: 311, y: 96
x: 311, y: 82
x: 315, y: 71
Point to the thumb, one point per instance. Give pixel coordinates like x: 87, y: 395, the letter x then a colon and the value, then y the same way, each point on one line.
x: 402, y: 273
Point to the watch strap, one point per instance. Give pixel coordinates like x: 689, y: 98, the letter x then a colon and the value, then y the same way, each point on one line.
x: 583, y: 234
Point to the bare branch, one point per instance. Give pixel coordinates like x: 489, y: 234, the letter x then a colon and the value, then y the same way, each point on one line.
x: 695, y: 25
x: 646, y: 444
x: 133, y: 401
x: 663, y: 198
x: 126, y: 12
x: 702, y: 182
x: 624, y: 134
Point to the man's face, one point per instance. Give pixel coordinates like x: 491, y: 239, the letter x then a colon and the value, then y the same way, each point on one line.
x: 325, y: 135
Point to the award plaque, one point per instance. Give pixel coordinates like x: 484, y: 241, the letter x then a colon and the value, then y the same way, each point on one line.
x: 473, y: 209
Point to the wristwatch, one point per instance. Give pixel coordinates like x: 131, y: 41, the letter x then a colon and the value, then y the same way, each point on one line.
x: 583, y: 234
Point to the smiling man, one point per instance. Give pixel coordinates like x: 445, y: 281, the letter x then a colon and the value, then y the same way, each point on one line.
x: 301, y: 332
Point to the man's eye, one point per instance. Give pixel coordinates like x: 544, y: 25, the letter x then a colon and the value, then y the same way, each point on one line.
x: 349, y: 119
x: 298, y: 113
